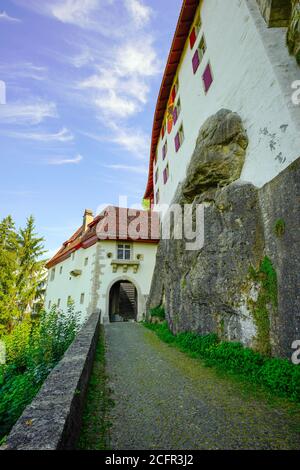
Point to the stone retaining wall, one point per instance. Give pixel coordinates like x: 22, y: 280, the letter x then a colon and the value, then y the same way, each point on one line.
x: 53, y: 420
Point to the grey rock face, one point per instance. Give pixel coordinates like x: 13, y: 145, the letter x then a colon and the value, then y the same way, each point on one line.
x: 219, y: 155
x: 214, y: 289
x: 293, y: 34
x: 275, y: 12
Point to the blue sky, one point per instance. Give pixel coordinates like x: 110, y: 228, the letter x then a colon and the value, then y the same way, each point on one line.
x: 82, y: 79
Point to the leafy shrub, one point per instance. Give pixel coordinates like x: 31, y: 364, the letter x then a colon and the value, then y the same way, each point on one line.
x: 279, y: 376
x: 158, y: 312
x: 33, y: 349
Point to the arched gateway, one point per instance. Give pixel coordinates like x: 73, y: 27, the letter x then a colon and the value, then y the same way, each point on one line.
x: 123, y: 302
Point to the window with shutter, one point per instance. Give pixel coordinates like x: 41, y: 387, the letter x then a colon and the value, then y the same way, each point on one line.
x: 196, y: 61
x: 165, y: 150
x: 157, y: 197
x: 207, y: 78
x: 177, y: 142
x: 193, y: 37
x: 166, y: 174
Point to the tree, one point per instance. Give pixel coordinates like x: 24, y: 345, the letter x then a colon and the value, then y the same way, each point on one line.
x: 8, y: 270
x: 31, y: 268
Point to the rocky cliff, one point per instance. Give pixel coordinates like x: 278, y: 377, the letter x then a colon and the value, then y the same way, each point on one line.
x: 293, y: 35
x: 244, y: 283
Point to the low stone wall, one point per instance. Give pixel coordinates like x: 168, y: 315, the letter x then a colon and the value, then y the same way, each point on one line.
x: 53, y: 420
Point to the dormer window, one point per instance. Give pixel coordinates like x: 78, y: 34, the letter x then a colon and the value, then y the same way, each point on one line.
x: 124, y: 252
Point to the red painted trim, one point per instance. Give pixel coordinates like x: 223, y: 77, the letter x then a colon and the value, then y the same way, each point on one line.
x: 184, y: 24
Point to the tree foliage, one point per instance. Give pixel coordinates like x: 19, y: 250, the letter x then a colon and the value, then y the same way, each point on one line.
x: 21, y: 272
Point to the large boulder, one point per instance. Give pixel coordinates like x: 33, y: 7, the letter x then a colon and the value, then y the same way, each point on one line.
x: 219, y: 155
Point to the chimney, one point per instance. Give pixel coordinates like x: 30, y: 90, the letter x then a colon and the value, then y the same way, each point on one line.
x: 87, y: 218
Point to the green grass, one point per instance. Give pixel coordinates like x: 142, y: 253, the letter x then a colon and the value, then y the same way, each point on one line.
x: 95, y: 424
x: 278, y: 376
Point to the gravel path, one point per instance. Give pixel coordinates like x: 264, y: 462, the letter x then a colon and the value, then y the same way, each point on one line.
x: 166, y: 400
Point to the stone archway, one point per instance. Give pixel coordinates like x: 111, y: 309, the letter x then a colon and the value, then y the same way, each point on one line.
x: 123, y: 302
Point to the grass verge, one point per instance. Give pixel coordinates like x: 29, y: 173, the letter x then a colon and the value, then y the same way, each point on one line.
x: 279, y: 376
x: 95, y: 424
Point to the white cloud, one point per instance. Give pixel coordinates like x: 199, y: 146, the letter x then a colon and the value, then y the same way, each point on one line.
x: 78, y: 12
x: 137, y: 57
x: 133, y: 141
x: 65, y: 160
x: 139, y: 12
x: 84, y: 57
x: 5, y: 17
x: 64, y: 135
x: 121, y: 84
x: 27, y: 113
x: 117, y: 106
x: 141, y: 170
x: 23, y: 70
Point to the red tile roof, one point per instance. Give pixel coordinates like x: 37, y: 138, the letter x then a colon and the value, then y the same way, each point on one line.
x: 184, y: 24
x: 147, y: 227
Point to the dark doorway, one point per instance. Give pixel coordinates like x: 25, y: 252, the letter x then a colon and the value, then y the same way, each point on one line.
x: 123, y: 302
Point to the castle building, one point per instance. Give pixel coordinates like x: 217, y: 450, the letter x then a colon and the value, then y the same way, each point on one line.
x: 107, y: 269
x: 226, y: 54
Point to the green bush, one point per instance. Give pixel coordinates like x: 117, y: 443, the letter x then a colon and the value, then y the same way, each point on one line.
x: 33, y: 349
x: 158, y: 312
x: 279, y: 376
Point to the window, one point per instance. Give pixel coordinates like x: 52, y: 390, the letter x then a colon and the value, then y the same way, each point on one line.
x: 52, y: 276
x: 199, y: 54
x: 58, y: 303
x: 165, y: 150
x: 60, y: 270
x: 177, y: 110
x: 82, y: 299
x: 157, y: 196
x: 202, y: 48
x: 174, y: 91
x: 166, y: 174
x: 163, y: 130
x: 198, y: 24
x: 207, y: 78
x: 86, y: 261
x: 124, y: 252
x: 69, y: 300
x: 49, y: 304
x: 156, y: 175
x: 179, y: 138
x: 193, y: 37
x: 73, y: 255
x: 195, y: 31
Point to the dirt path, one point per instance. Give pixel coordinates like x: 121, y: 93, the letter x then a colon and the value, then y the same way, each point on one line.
x: 167, y: 400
